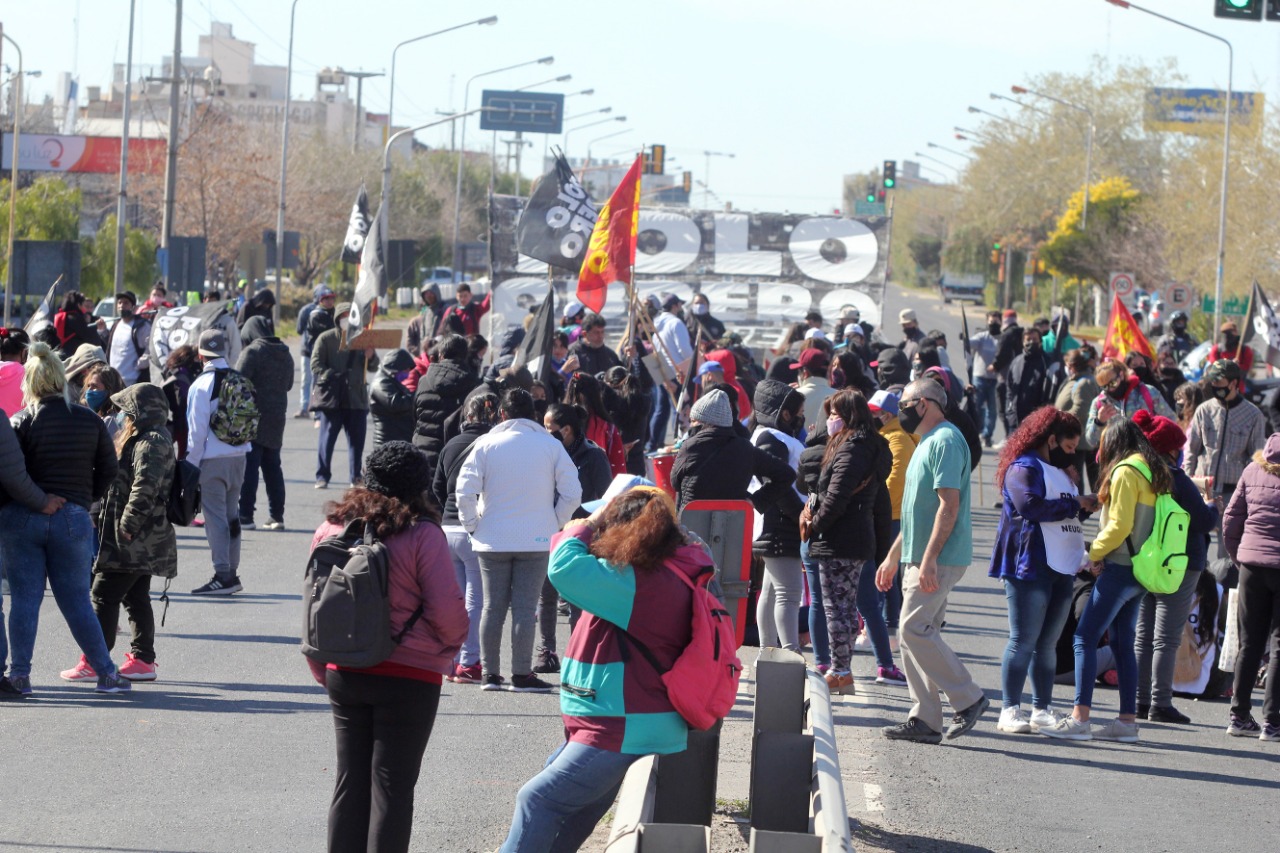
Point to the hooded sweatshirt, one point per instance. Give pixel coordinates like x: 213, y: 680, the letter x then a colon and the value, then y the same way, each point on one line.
x: 267, y: 362
x: 1252, y: 520
x: 390, y: 403
x: 726, y: 360
x: 11, y: 373
x: 777, y: 531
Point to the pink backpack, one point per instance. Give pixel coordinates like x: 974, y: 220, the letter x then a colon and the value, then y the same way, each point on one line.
x: 702, y: 684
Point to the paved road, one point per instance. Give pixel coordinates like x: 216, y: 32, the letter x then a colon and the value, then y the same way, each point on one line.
x: 232, y: 750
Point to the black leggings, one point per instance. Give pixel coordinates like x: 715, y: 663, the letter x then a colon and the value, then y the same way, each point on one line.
x: 110, y: 590
x: 382, y: 725
x: 1259, y: 614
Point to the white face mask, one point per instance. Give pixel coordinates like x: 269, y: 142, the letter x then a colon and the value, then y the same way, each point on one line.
x: 701, y: 309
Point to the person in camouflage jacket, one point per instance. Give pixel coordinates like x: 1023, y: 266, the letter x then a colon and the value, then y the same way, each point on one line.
x: 138, y: 541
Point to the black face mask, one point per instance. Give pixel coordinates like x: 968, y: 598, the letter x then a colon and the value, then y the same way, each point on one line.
x: 1030, y: 348
x: 1230, y: 342
x: 1222, y: 393
x: 1060, y: 458
x: 1118, y: 392
x: 993, y: 328
x: 910, y: 418
x: 1179, y: 328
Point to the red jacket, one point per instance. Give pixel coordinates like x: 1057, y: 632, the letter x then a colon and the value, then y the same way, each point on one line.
x: 420, y: 364
x: 729, y: 363
x: 470, y: 316
x: 1245, y: 360
x: 607, y: 437
x: 422, y: 573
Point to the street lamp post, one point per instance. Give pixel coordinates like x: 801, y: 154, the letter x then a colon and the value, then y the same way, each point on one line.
x: 998, y: 97
x: 360, y: 76
x: 706, y: 182
x: 457, y: 190
x: 950, y: 151
x: 986, y: 137
x: 13, y: 178
x: 988, y: 114
x: 284, y: 160
x: 391, y: 99
x: 1226, y: 146
x: 936, y: 160
x: 588, y: 124
x: 606, y: 136
x: 122, y: 200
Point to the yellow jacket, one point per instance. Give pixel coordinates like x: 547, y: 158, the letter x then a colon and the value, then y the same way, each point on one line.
x: 902, y: 444
x: 1129, y: 513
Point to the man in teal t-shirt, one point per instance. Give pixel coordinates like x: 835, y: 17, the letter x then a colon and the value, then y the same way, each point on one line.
x: 935, y: 548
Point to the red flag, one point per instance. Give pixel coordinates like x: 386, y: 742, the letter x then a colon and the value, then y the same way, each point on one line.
x: 1123, y: 334
x: 611, y: 253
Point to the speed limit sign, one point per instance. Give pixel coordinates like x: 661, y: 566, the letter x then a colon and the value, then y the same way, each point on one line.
x: 1121, y: 283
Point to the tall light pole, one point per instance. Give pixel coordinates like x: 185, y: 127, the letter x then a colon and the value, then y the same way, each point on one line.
x: 1088, y: 145
x: 950, y: 151
x: 936, y: 160
x: 1226, y: 146
x: 986, y: 137
x: 589, y: 124
x: 284, y: 160
x: 706, y: 176
x: 13, y: 177
x: 606, y: 136
x: 998, y: 97
x: 391, y: 100
x: 171, y: 153
x: 122, y: 200
x: 360, y: 76
x: 457, y: 190
x: 989, y: 114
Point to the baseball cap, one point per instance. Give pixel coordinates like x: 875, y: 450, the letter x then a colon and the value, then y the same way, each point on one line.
x: 670, y: 299
x: 621, y: 484
x: 213, y: 343
x: 128, y: 294
x: 815, y: 333
x: 884, y: 401
x: 854, y: 329
x: 907, y: 315
x: 710, y: 367
x: 813, y: 360
x: 322, y: 291
x: 573, y: 309
x: 1224, y: 368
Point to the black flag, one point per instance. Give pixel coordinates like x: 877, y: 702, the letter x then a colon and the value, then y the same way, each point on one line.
x: 43, y: 316
x: 1262, y: 327
x: 968, y: 347
x: 372, y: 284
x: 557, y: 222
x: 535, y: 353
x: 357, y: 229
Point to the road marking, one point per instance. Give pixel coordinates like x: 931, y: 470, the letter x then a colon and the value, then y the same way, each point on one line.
x: 874, y: 796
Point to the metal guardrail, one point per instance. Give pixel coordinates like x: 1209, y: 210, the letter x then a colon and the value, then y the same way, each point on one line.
x: 830, y: 816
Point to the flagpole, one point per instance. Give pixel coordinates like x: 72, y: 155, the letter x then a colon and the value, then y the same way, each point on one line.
x: 1248, y: 314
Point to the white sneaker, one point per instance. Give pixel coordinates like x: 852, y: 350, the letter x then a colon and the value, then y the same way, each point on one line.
x: 1119, y: 731
x: 863, y: 641
x: 1069, y: 728
x: 1014, y: 721
x: 1043, y: 718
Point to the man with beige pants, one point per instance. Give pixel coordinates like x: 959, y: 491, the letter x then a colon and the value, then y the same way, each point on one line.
x: 935, y: 546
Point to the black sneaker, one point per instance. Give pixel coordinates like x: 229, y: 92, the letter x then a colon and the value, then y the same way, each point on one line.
x: 493, y: 681
x: 964, y: 720
x: 9, y: 693
x: 217, y: 586
x: 529, y: 684
x: 1167, y: 714
x: 912, y: 730
x: 547, y: 662
x: 114, y: 683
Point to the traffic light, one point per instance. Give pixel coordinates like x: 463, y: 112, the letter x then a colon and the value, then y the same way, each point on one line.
x: 890, y: 174
x: 686, y: 182
x: 1247, y: 10
x: 871, y: 193
x: 995, y: 253
x: 658, y: 159
x: 1272, y: 12
x: 880, y: 197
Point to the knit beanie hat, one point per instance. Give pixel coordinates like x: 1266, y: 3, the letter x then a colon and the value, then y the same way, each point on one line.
x: 398, y: 470
x: 712, y: 409
x: 1165, y: 436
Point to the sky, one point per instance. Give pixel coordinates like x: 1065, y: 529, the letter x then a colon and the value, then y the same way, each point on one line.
x: 801, y: 93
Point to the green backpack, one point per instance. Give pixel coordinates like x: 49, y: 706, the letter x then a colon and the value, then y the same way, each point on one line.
x: 235, y: 421
x: 1161, y: 562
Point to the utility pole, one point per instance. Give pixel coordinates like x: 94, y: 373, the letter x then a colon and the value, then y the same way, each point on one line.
x: 171, y: 161
x: 123, y: 198
x: 360, y: 77
x: 453, y: 127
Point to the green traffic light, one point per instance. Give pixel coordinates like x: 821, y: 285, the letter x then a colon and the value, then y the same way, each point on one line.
x: 1240, y: 4
x: 889, y: 183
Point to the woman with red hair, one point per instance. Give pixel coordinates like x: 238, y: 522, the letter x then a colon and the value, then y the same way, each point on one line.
x: 1039, y: 549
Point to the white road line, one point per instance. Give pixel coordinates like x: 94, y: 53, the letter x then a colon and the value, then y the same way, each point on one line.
x: 874, y: 796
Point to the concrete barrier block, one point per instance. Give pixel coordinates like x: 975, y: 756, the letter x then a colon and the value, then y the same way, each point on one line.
x: 763, y: 841
x: 780, y: 682
x: 781, y: 778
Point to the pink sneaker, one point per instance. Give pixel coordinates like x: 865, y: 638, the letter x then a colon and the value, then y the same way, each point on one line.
x: 136, y: 669
x: 80, y: 672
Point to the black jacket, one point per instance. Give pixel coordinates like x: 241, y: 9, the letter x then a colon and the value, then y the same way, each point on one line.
x: 843, y: 524
x: 594, y: 472
x: 390, y: 403
x: 717, y: 463
x: 67, y: 449
x: 1007, y: 348
x: 444, y: 483
x: 780, y: 529
x: 319, y: 321
x: 1027, y: 385
x: 440, y: 394
x: 594, y: 360
x: 268, y: 364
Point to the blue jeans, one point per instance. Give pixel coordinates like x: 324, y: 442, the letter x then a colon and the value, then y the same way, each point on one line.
x: 870, y: 602
x: 266, y: 459
x: 986, y: 397
x: 658, y: 421
x: 817, y: 614
x: 558, y: 809
x: 56, y: 548
x: 1038, y: 609
x: 355, y: 422
x: 466, y: 568
x: 307, y: 380
x: 1115, y: 603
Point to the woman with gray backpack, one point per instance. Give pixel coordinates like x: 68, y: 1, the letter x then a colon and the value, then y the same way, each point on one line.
x: 383, y: 714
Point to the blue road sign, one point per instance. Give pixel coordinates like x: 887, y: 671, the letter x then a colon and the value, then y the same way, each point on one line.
x: 527, y: 112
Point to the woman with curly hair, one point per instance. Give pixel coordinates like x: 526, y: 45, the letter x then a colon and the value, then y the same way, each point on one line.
x: 584, y: 390
x: 620, y: 566
x: 1133, y: 475
x: 1039, y: 546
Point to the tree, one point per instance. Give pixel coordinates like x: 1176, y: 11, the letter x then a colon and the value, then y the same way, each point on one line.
x: 48, y: 209
x: 98, y: 261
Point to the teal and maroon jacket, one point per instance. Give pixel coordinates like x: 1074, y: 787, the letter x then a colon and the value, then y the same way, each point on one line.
x: 611, y: 697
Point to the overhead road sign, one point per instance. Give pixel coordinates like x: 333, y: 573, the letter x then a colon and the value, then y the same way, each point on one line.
x: 521, y: 112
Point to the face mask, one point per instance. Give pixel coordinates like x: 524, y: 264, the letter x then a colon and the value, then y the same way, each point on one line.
x: 94, y: 398
x: 1060, y: 458
x: 993, y: 328
x: 1230, y: 341
x: 126, y: 314
x: 797, y: 424
x: 834, y: 425
x: 1117, y: 393
x: 910, y: 418
x: 701, y: 310
x: 119, y: 418
x: 1222, y: 393
x: 1029, y: 348
x: 1179, y: 328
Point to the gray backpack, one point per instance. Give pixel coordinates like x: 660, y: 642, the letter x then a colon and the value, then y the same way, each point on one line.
x: 346, y: 612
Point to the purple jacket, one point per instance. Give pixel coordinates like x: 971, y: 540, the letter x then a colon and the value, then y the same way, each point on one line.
x: 1020, y: 550
x: 1251, y: 524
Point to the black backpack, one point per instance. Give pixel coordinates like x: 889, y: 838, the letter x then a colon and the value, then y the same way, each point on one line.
x: 184, y: 495
x: 346, y: 614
